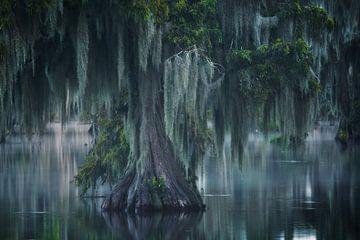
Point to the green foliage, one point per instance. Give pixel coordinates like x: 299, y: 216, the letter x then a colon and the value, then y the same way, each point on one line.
x: 342, y: 136
x: 108, y: 159
x: 194, y: 23
x: 315, y: 17
x: 318, y: 17
x: 143, y: 9
x: 191, y: 22
x: 243, y: 57
x: 157, y: 184
x: 314, y: 86
x: 271, y: 66
x: 279, y: 52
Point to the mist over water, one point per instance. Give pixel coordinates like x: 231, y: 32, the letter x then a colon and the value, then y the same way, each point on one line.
x: 312, y: 192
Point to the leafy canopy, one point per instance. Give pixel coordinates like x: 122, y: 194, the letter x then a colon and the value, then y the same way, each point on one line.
x: 192, y: 22
x: 309, y: 16
x: 275, y: 64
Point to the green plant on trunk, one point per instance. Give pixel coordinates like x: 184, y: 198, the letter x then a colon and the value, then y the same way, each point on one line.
x: 314, y: 86
x: 342, y: 136
x: 157, y: 184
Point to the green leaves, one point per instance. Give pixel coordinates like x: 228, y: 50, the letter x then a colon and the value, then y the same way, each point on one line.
x: 314, y: 17
x: 157, y: 184
x: 109, y: 157
x: 342, y: 136
x: 314, y: 86
x: 242, y: 57
x: 280, y: 52
x: 194, y: 23
x: 281, y: 62
x: 181, y: 5
x: 143, y: 9
x: 317, y: 17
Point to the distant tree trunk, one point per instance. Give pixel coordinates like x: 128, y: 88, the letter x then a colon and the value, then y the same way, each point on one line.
x: 2, y: 136
x: 343, y: 91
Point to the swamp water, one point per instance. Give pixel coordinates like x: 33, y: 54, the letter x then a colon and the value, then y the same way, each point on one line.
x: 312, y: 192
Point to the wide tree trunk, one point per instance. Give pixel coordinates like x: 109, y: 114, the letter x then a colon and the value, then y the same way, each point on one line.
x: 156, y: 182
x: 155, y: 178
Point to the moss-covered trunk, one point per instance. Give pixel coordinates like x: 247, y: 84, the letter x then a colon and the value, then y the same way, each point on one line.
x: 159, y: 184
x: 155, y: 178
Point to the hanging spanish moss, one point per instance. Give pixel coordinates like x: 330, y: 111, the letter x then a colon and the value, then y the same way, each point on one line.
x: 193, y: 72
x: 189, y: 82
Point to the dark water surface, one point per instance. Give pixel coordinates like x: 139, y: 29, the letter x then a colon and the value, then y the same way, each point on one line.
x: 274, y: 193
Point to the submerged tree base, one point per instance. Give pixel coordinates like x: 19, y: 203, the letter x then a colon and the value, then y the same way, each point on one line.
x: 141, y: 193
x: 155, y: 180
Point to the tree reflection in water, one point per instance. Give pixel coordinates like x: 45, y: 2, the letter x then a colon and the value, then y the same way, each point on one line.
x: 311, y: 192
x: 153, y: 226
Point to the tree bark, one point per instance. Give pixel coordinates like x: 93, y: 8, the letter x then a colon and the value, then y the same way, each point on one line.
x: 153, y: 158
x: 137, y: 191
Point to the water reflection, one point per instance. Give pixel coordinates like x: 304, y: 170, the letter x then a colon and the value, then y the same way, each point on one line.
x: 312, y: 192
x: 155, y: 226
x: 36, y: 195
